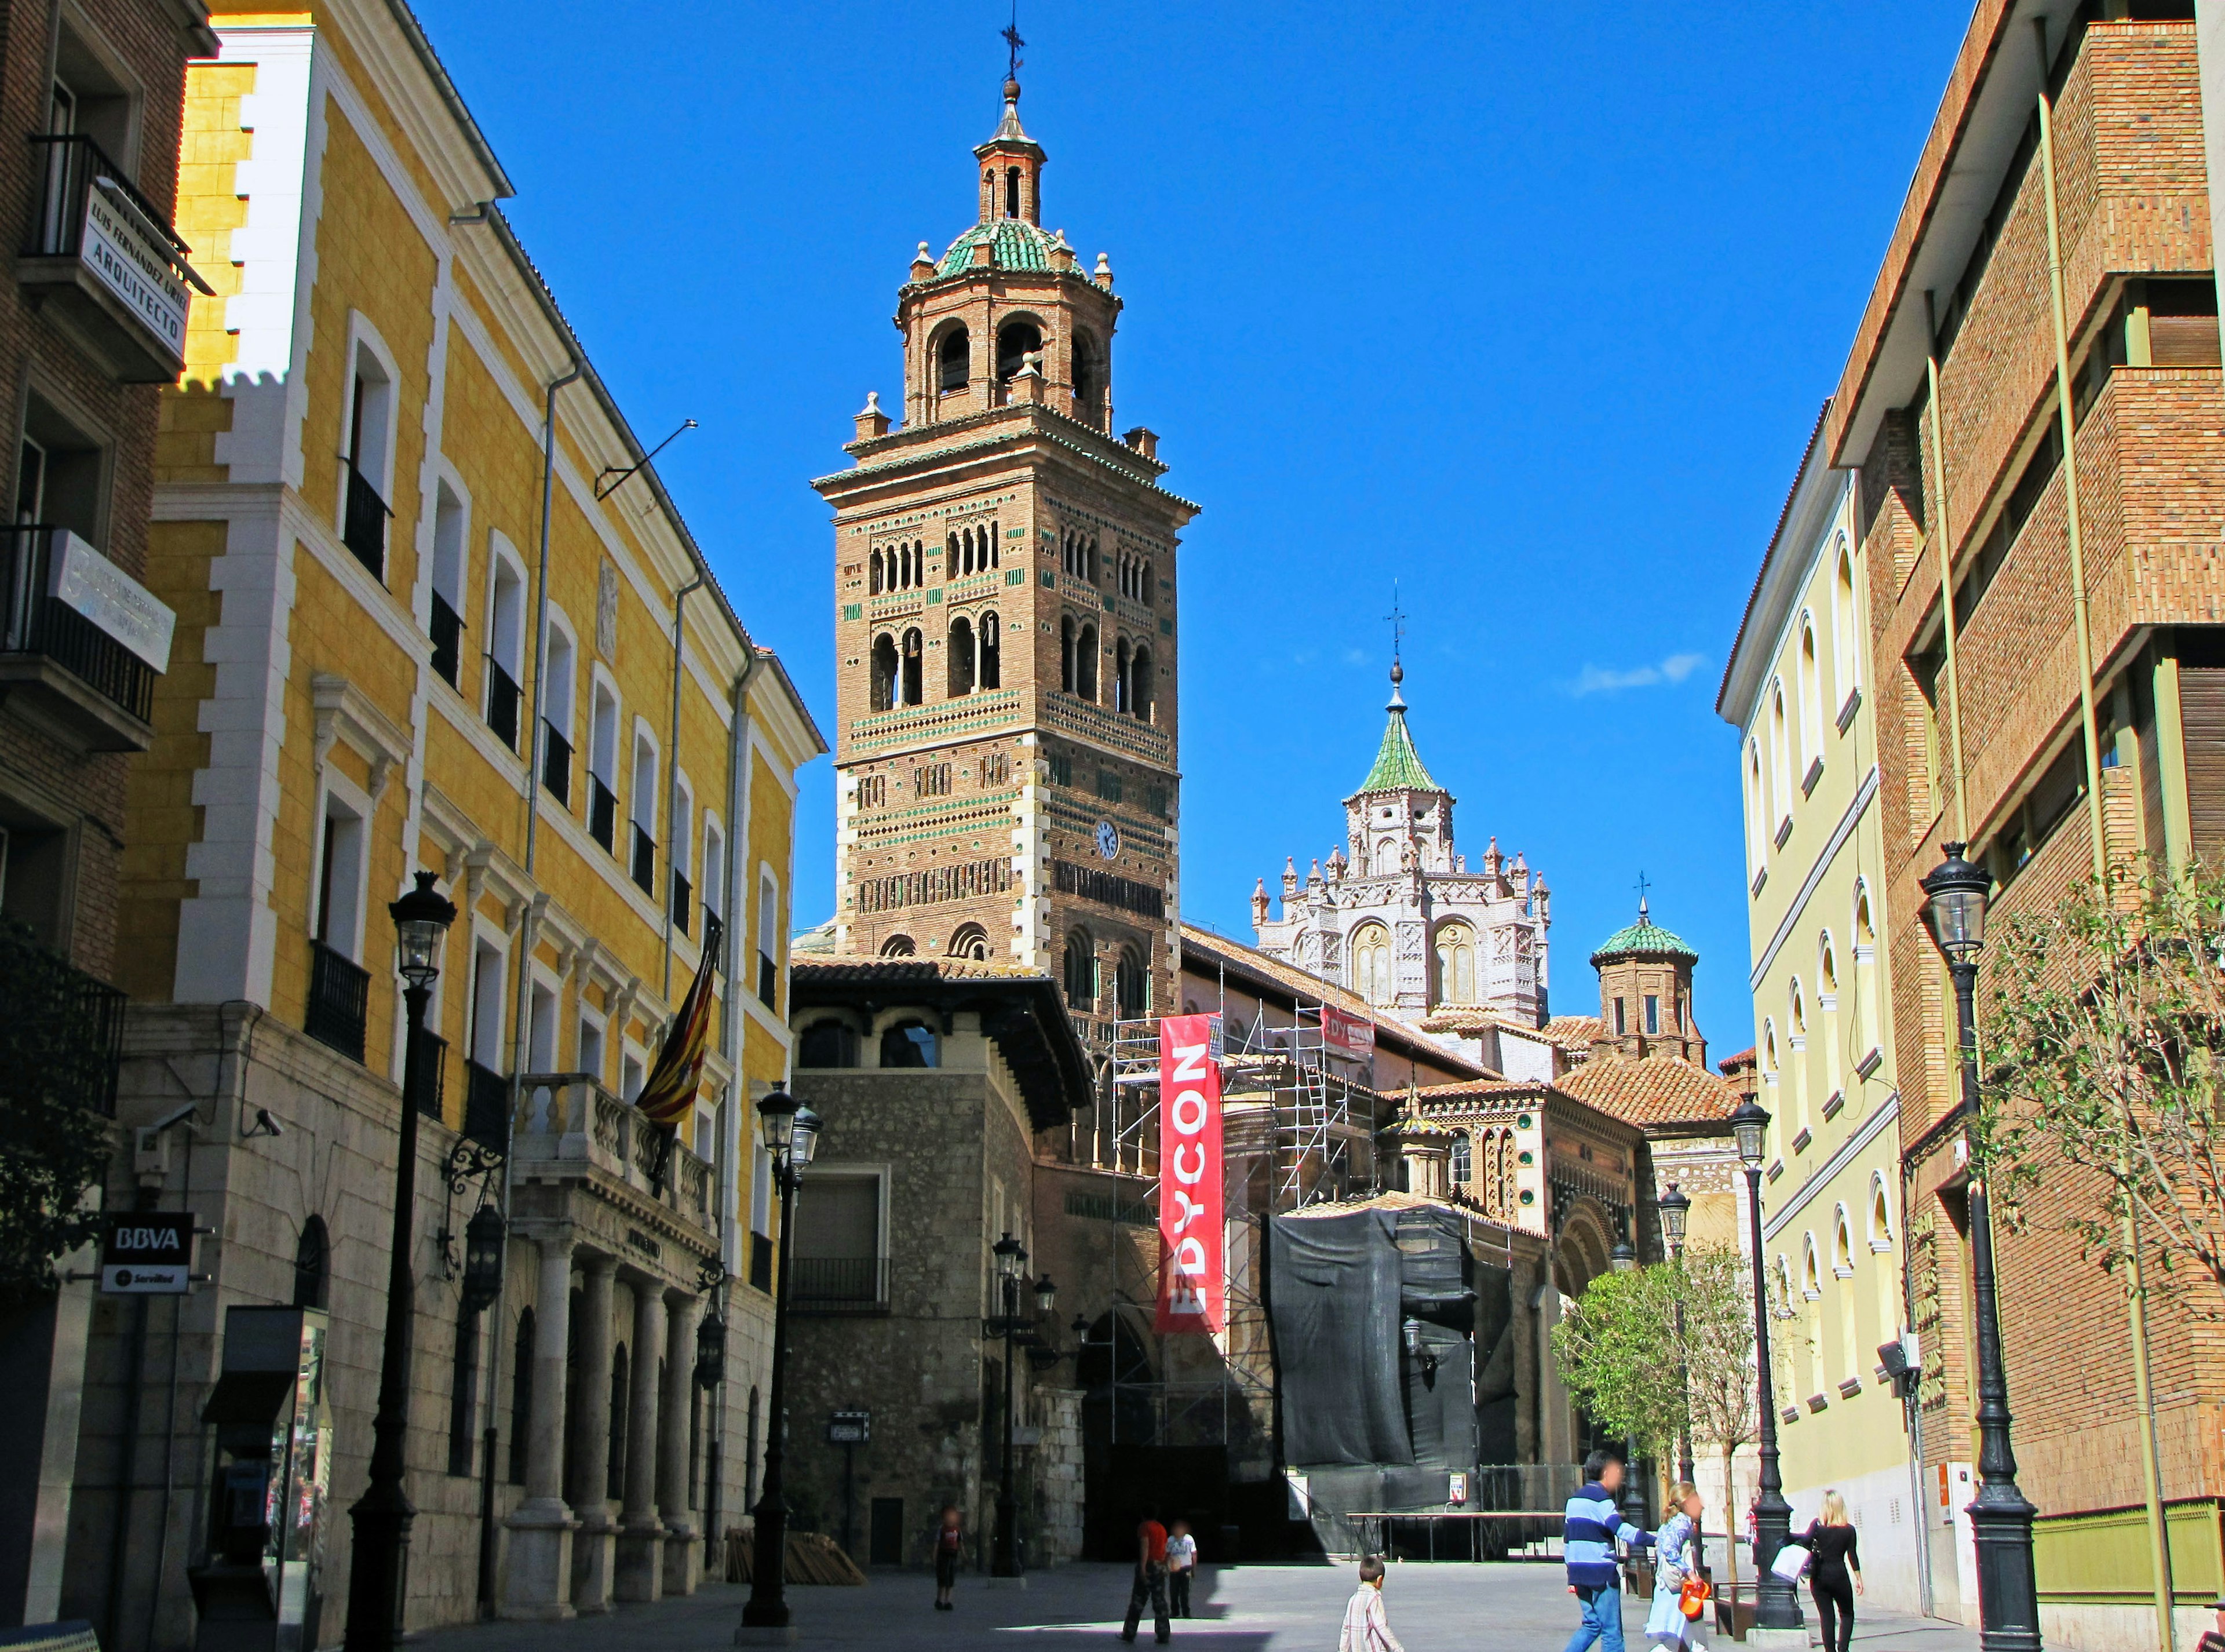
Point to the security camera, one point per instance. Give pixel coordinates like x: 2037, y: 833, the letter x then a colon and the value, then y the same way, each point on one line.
x: 265, y: 1125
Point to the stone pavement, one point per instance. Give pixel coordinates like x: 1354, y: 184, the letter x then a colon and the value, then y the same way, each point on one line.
x: 1296, y: 1608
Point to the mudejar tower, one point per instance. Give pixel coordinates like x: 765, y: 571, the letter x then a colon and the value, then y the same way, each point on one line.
x: 1005, y: 579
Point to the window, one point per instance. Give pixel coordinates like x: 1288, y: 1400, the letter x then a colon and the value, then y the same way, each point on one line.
x: 958, y: 657
x: 1621, y: 1018
x: 913, y: 667
x: 899, y: 947
x: 61, y: 474
x: 970, y: 940
x: 874, y: 792
x: 2059, y: 790
x: 505, y: 642
x: 1131, y: 985
x: 1061, y: 768
x: 1847, y: 648
x: 1463, y: 1163
x: 1081, y: 971
x: 991, y: 673
x: 828, y: 1044
x: 632, y: 1073
x: 1652, y: 1015
x: 1139, y: 691
x: 88, y: 99
x: 340, y: 877
x: 1066, y: 654
x: 681, y: 836
x: 521, y: 1395
x: 1757, y: 810
x: 1108, y: 786
x: 590, y: 1057
x: 909, y: 1044
x: 931, y: 779
x: 643, y: 857
x: 602, y: 768
x: 1370, y: 953
x: 838, y: 1242
x: 556, y: 716
x: 1015, y: 342
x: 768, y: 941
x: 714, y: 869
x: 950, y: 355
x: 1780, y: 754
x: 450, y: 525
x: 366, y: 444
x: 1085, y: 663
x: 1122, y: 686
x: 1811, y: 694
x: 1089, y: 380
x: 312, y: 1264
x: 884, y: 695
x: 1455, y: 964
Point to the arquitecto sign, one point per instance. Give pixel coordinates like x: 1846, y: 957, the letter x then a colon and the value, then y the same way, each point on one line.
x: 1193, y: 1260
x: 81, y: 577
x: 122, y: 251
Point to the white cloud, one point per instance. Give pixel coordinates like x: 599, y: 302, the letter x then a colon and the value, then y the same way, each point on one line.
x: 1599, y: 680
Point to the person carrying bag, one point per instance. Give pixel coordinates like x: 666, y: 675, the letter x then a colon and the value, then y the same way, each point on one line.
x: 1680, y: 1593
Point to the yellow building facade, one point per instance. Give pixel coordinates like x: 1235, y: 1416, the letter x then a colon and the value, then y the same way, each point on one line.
x: 436, y: 611
x: 1822, y: 1025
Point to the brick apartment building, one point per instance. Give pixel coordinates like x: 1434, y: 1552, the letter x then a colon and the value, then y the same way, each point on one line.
x: 1947, y: 413
x: 92, y: 324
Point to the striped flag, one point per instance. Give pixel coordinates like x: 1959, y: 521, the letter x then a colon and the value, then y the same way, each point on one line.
x: 670, y: 1090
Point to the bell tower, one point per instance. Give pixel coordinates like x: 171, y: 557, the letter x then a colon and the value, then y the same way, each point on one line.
x: 1005, y: 625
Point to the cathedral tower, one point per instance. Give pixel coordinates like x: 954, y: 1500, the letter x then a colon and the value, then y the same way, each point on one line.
x: 1645, y: 993
x: 1006, y: 626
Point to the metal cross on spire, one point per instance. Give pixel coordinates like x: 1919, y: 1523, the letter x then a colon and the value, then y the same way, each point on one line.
x: 1643, y: 885
x: 1397, y: 619
x: 1011, y: 33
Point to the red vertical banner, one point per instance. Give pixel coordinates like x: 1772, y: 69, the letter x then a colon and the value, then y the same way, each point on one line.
x: 1193, y: 1262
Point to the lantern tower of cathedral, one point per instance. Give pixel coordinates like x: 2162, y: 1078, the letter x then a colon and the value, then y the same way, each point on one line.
x: 1005, y: 583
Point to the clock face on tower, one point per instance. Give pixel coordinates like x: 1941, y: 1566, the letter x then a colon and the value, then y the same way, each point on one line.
x: 1108, y: 841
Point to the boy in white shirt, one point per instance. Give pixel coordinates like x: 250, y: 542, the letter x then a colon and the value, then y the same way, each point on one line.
x: 1366, y: 1625
x: 1182, y: 1566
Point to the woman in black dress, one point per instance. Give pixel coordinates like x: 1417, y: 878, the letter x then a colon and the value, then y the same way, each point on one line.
x: 1835, y: 1576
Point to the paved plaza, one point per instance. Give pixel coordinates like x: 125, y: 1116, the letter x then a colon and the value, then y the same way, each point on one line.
x: 1293, y: 1608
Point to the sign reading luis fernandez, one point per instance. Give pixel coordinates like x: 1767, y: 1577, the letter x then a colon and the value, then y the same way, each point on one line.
x: 147, y: 1253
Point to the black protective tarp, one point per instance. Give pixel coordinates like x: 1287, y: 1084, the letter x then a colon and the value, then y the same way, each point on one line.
x: 1495, y: 1385
x: 1439, y: 1376
x: 1335, y: 1318
x: 1433, y: 1267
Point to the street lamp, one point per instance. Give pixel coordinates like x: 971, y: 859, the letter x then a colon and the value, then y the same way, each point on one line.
x: 791, y: 1136
x: 1676, y: 1208
x: 382, y: 1517
x: 1775, y: 1606
x: 1956, y: 897
x: 483, y: 1253
x: 1011, y: 1273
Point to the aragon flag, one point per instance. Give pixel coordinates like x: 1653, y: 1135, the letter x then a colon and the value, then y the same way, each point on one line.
x: 670, y: 1090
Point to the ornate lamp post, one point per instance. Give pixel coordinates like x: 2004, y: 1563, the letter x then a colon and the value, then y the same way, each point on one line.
x: 791, y: 1135
x: 1775, y: 1606
x: 1676, y: 1208
x: 1956, y: 897
x: 1624, y: 1260
x: 383, y: 1515
x: 1011, y: 1279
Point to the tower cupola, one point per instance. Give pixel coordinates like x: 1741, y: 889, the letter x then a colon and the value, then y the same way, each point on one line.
x: 1011, y: 166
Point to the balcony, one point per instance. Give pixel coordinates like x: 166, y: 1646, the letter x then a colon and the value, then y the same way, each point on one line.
x: 486, y: 1105
x: 502, y: 697
x: 768, y: 983
x: 448, y: 633
x: 832, y: 1285
x: 59, y: 1026
x: 104, y: 263
x: 683, y: 898
x: 602, y: 814
x: 363, y: 528
x: 556, y: 763
x: 81, y: 642
x: 567, y: 1127
x: 761, y: 1263
x: 339, y: 998
x: 429, y: 1059
x: 644, y: 860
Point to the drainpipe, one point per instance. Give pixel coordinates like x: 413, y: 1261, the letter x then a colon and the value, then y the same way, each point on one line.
x: 489, y: 1437
x: 672, y: 770
x: 2136, y: 1302
x: 1941, y: 538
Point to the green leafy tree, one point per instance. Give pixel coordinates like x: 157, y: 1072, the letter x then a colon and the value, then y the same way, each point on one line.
x: 2104, y: 1045
x: 53, y: 1145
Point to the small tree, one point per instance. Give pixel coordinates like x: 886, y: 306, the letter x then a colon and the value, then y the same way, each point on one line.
x: 53, y: 1147
x: 2105, y: 1049
x: 1717, y: 1351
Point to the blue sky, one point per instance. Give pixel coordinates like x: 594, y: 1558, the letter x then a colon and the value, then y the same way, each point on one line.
x: 1528, y: 308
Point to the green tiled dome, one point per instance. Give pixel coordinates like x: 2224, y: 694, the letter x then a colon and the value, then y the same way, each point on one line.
x: 1397, y: 765
x: 1643, y: 936
x: 1014, y: 244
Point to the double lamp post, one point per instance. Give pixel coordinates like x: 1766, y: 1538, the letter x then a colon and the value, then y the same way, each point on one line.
x: 1018, y: 1330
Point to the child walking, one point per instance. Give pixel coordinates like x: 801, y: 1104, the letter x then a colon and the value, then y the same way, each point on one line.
x: 1366, y: 1623
x: 948, y: 1541
x: 1182, y: 1566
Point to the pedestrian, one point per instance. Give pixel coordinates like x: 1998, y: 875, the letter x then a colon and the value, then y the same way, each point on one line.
x: 1366, y: 1621
x: 2213, y: 1640
x: 1182, y: 1566
x: 1588, y: 1531
x: 1835, y: 1575
x: 1150, y: 1580
x: 1677, y: 1556
x: 949, y: 1539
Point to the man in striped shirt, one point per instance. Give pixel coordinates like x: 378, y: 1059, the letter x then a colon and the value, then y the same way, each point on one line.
x: 1588, y: 1532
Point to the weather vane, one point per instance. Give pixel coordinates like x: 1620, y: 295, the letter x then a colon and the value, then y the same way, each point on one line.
x: 1398, y: 619
x: 1642, y: 886
x: 1011, y: 33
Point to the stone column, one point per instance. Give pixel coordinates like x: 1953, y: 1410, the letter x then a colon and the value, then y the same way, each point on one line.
x: 594, y: 1550
x: 641, y: 1538
x: 539, y: 1584
x: 681, y: 1553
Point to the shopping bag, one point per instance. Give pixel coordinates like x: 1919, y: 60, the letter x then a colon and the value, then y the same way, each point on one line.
x: 1692, y: 1599
x: 1790, y: 1562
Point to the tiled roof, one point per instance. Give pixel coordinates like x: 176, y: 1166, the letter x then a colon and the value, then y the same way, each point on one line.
x: 1485, y: 1089
x: 1643, y: 936
x: 1397, y: 765
x: 1652, y: 1090
x: 1744, y: 1058
x: 844, y: 971
x: 1304, y: 984
x: 1574, y: 1032
x: 1445, y: 1019
x: 1014, y: 244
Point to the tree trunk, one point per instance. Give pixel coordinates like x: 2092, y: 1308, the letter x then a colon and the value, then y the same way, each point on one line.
x: 1730, y: 1518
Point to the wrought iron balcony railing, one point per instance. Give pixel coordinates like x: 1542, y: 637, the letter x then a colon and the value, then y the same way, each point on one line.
x: 838, y: 1284
x: 107, y: 258
x: 446, y: 630
x: 556, y: 763
x: 362, y: 527
x: 502, y: 697
x: 60, y: 1027
x: 430, y: 1079
x: 683, y: 900
x: 644, y: 859
x: 35, y: 624
x: 602, y: 814
x: 339, y: 998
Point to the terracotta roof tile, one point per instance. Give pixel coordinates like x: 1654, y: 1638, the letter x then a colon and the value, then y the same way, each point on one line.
x: 1571, y: 1031
x: 1652, y: 1090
